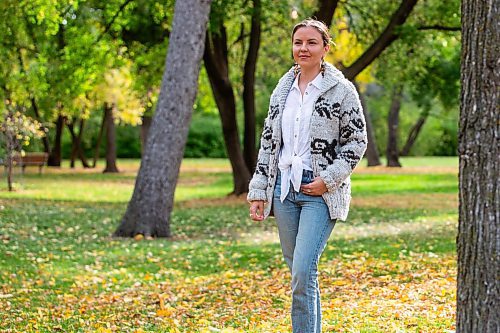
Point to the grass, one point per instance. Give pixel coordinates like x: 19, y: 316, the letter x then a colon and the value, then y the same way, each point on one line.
x: 389, y: 268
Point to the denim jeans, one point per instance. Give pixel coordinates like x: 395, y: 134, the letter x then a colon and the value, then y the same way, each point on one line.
x: 304, y: 227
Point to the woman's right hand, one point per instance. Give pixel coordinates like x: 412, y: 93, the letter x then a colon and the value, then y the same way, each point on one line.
x: 257, y: 210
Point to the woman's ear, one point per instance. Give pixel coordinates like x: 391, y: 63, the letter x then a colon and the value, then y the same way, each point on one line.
x: 327, y: 48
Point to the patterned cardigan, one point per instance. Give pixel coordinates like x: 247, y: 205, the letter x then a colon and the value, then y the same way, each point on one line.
x: 337, y: 136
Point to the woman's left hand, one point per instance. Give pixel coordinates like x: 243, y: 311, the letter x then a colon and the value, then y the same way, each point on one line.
x: 317, y: 187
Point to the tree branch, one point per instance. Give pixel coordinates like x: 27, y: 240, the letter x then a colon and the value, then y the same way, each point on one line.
x: 388, y: 36
x: 110, y: 23
x: 325, y: 11
x: 439, y: 27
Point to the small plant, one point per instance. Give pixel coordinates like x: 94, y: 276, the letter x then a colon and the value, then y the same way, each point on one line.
x: 17, y: 130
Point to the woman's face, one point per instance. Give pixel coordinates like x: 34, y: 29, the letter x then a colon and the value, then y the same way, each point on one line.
x: 308, y: 48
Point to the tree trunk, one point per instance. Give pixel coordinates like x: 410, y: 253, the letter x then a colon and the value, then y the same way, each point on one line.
x: 76, y: 146
x: 99, y: 137
x: 45, y: 138
x: 10, y: 138
x: 413, y: 134
x: 478, y: 241
x: 325, y: 11
x: 148, y: 212
x: 371, y: 153
x: 249, y: 150
x: 216, y: 64
x: 110, y: 140
x: 55, y: 157
x: 72, y: 156
x: 146, y: 125
x: 392, y: 152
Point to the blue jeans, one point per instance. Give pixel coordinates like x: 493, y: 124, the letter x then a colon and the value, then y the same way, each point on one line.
x: 304, y: 227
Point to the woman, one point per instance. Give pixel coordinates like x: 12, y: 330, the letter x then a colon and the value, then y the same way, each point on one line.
x: 313, y: 138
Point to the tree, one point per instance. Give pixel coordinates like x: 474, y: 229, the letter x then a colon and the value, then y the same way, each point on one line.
x: 16, y: 129
x: 478, y: 241
x: 326, y: 9
x: 148, y: 212
x: 392, y: 152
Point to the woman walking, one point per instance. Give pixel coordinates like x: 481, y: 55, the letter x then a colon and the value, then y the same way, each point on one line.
x: 313, y: 138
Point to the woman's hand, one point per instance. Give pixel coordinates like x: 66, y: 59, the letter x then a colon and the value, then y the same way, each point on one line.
x: 316, y: 188
x: 257, y: 210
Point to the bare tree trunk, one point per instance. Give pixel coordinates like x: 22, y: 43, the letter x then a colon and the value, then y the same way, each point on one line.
x: 55, y: 157
x: 216, y: 63
x: 413, y: 134
x: 392, y: 151
x: 148, y: 212
x: 99, y: 137
x: 72, y: 156
x: 371, y: 153
x: 478, y: 241
x: 76, y: 146
x: 110, y: 140
x: 9, y: 137
x: 249, y: 150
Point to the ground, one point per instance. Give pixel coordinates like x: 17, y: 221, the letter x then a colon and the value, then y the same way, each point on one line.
x: 391, y: 267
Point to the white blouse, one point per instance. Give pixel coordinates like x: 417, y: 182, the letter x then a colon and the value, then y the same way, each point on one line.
x: 295, y: 154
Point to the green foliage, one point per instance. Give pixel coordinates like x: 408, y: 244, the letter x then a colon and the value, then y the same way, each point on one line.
x: 205, y: 138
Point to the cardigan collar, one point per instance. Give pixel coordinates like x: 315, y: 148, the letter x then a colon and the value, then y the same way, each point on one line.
x: 330, y: 79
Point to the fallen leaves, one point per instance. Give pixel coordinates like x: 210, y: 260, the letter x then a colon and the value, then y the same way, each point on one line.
x: 412, y: 294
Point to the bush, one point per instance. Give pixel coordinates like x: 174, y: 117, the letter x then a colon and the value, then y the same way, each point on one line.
x: 205, y: 137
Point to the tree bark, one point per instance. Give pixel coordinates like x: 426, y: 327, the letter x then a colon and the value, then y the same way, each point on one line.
x: 372, y: 154
x: 385, y: 39
x: 478, y: 241
x: 99, y: 137
x: 249, y: 150
x: 325, y: 11
x: 216, y: 63
x: 110, y: 140
x: 55, y: 157
x: 76, y: 146
x: 392, y: 152
x: 413, y: 134
x: 148, y: 212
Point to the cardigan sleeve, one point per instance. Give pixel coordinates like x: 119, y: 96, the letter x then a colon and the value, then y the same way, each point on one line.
x: 258, y: 183
x: 352, y: 142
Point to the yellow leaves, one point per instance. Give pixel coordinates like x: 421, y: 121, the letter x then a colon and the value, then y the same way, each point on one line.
x: 103, y: 330
x: 117, y: 90
x: 347, y: 48
x: 340, y: 282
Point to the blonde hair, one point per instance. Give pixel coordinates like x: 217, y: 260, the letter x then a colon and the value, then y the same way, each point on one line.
x: 318, y: 25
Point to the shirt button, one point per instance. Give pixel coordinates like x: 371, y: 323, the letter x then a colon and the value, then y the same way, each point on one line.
x: 295, y: 135
x: 307, y: 93
x: 297, y: 119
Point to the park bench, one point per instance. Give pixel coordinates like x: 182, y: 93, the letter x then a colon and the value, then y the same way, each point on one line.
x: 29, y: 159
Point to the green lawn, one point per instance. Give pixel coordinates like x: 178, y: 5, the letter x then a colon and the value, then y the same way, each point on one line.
x: 389, y: 268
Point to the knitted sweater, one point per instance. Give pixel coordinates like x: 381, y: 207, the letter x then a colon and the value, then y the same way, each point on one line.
x: 337, y: 137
